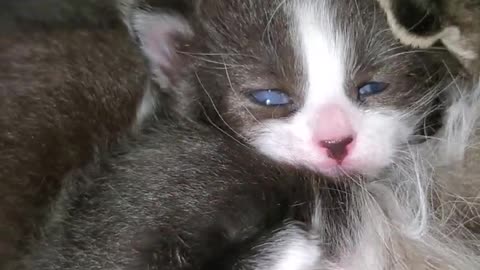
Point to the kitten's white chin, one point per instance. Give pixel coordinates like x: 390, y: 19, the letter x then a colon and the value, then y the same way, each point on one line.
x: 346, y: 168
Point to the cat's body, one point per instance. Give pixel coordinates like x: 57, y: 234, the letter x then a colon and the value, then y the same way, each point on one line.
x: 181, y: 196
x: 63, y: 96
x: 288, y: 78
x: 176, y: 197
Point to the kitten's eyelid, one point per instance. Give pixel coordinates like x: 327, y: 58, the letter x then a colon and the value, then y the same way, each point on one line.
x: 270, y: 97
x: 371, y: 88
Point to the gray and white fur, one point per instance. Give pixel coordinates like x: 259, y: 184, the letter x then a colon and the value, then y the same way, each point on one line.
x: 391, y: 223
x: 224, y: 50
x: 181, y: 196
x: 209, y: 59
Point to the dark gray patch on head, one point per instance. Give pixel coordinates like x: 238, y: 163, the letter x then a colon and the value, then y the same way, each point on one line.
x: 247, y: 46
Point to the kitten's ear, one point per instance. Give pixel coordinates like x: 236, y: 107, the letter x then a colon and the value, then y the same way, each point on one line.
x: 418, y: 23
x: 161, y: 37
x: 161, y: 32
x: 422, y: 23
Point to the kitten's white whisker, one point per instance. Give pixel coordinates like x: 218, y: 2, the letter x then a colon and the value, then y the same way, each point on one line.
x: 216, y: 109
x: 235, y: 92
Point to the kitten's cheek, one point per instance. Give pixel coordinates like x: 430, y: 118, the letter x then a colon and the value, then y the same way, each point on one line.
x: 369, y: 158
x: 362, y: 166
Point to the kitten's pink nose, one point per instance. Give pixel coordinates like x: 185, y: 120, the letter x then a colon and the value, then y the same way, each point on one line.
x: 337, y: 149
x: 334, y: 131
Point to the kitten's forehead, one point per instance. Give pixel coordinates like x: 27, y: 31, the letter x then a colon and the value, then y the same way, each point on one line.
x: 271, y: 31
x: 316, y: 50
x: 246, y: 19
x: 240, y: 26
x: 320, y: 44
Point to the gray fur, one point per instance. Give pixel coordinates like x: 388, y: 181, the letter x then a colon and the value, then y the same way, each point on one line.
x: 181, y: 197
x: 63, y: 96
x: 102, y: 209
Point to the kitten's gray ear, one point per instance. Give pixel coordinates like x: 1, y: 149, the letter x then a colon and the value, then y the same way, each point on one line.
x: 422, y: 23
x: 161, y: 37
x: 161, y: 33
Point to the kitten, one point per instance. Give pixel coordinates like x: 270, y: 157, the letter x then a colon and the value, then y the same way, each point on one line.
x: 422, y: 23
x: 63, y: 96
x: 177, y: 196
x: 322, y: 85
x: 181, y: 196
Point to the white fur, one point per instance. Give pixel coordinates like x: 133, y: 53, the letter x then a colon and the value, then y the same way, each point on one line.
x: 460, y: 127
x: 146, y: 107
x: 324, y: 55
x: 410, y: 233
x: 370, y: 253
x: 300, y: 254
x: 290, y: 248
x: 323, y: 59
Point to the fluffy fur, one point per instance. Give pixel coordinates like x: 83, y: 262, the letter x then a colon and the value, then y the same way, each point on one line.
x: 422, y: 23
x: 185, y: 197
x: 454, y: 159
x: 393, y: 223
x: 63, y: 95
x: 418, y: 186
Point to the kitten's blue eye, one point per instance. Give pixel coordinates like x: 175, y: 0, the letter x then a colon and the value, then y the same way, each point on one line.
x: 371, y: 88
x: 270, y: 97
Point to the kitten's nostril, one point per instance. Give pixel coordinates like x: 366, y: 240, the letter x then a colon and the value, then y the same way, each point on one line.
x: 337, y: 149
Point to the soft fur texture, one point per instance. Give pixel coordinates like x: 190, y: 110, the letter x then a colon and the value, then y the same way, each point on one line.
x: 417, y: 178
x: 455, y: 156
x: 63, y: 96
x: 185, y: 197
x: 241, y: 200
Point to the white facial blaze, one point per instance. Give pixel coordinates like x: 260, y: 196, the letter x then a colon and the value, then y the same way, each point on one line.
x: 323, y: 59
